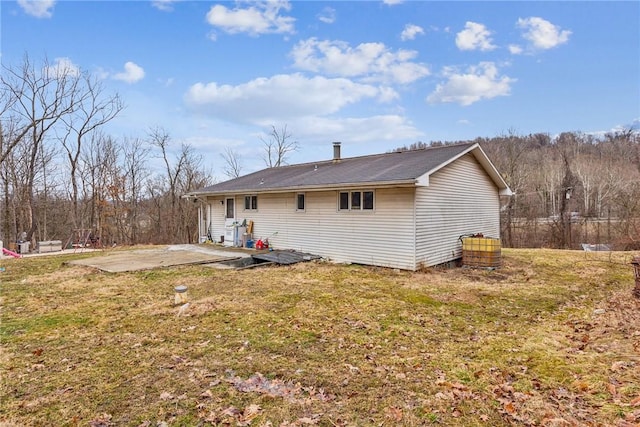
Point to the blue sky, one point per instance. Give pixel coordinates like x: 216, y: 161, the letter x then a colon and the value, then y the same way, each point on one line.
x: 374, y: 75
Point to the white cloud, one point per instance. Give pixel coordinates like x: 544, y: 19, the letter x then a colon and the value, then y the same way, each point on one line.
x: 261, y: 17
x: 132, y: 73
x: 328, y: 15
x: 479, y: 82
x: 541, y: 33
x: 281, y: 97
x: 634, y: 125
x: 474, y: 37
x: 392, y: 2
x: 410, y: 32
x: 62, y: 67
x: 515, y: 49
x: 38, y: 8
x: 164, y: 5
x: 372, y: 62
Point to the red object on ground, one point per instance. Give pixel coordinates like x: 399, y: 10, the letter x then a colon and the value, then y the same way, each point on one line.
x: 260, y: 244
x: 11, y: 253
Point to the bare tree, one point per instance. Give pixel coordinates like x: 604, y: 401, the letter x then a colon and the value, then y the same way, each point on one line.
x: 173, y: 219
x: 94, y: 110
x: 232, y: 167
x: 161, y: 139
x: 136, y: 173
x: 194, y: 176
x: 101, y: 174
x: 278, y: 146
x: 9, y: 171
x: 43, y: 97
x: 508, y: 152
x: 47, y: 189
x: 567, y: 191
x: 8, y: 139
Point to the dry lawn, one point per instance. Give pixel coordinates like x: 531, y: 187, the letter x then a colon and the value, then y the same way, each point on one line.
x: 551, y: 339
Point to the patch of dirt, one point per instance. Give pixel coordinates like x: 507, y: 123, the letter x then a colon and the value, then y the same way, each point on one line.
x: 147, y: 259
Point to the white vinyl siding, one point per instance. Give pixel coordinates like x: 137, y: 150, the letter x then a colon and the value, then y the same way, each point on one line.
x: 460, y: 199
x: 383, y: 237
x: 409, y: 227
x: 218, y: 214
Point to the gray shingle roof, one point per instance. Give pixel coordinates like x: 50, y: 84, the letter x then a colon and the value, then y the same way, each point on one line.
x: 402, y: 167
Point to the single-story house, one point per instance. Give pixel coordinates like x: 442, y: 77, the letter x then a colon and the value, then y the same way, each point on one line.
x: 404, y: 210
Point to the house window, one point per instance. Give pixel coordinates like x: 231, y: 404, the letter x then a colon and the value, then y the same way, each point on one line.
x: 230, y: 210
x: 300, y: 202
x: 250, y: 203
x: 356, y: 201
x: 344, y: 201
x: 367, y: 200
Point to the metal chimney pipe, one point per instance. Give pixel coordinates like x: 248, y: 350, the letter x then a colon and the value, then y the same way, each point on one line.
x: 336, y: 151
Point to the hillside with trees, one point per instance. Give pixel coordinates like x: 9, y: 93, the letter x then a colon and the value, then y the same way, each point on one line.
x: 60, y: 171
x: 570, y: 189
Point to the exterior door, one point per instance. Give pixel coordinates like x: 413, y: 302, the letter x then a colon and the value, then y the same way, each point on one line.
x: 229, y: 211
x: 229, y: 221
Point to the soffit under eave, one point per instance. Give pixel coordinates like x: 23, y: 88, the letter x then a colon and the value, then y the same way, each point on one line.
x: 345, y: 186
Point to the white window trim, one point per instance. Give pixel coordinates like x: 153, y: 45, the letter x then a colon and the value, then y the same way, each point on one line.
x: 361, y: 208
x: 244, y: 203
x: 305, y: 202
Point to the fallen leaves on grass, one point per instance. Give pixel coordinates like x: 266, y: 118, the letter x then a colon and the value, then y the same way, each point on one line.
x: 288, y: 390
x: 103, y: 420
x: 453, y: 391
x: 394, y: 413
x: 165, y: 395
x: 512, y: 403
x: 560, y: 350
x: 232, y: 415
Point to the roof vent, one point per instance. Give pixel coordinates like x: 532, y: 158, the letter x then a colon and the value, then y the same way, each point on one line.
x: 336, y: 151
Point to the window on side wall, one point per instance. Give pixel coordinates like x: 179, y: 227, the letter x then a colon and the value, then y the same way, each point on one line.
x: 300, y: 202
x: 367, y: 200
x: 251, y: 203
x: 343, y: 203
x: 356, y: 200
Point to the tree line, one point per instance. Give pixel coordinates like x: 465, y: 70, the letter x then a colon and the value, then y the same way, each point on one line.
x: 570, y: 189
x: 63, y: 177
x: 62, y: 174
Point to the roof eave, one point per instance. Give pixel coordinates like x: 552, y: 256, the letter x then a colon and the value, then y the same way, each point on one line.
x: 298, y: 188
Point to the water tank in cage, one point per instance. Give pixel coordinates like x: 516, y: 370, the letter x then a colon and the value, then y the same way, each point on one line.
x: 481, y: 252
